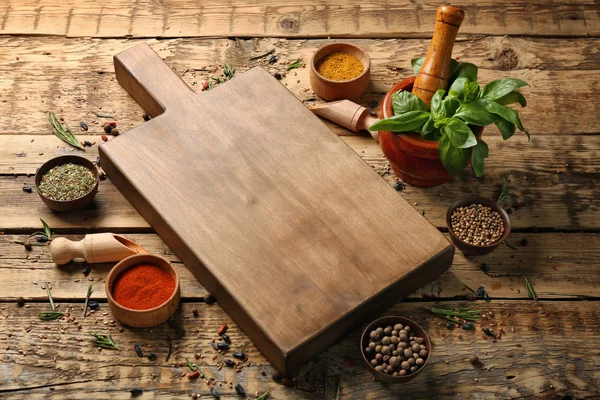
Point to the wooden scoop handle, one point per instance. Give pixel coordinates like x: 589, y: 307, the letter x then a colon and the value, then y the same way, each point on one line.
x: 435, y: 71
x: 94, y: 248
x: 347, y: 114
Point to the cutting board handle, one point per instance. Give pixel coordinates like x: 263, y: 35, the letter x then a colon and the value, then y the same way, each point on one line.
x: 435, y: 71
x: 149, y: 80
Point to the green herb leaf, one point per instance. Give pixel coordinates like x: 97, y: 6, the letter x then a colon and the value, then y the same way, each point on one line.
x: 50, y: 298
x: 50, y: 315
x: 87, y: 300
x: 473, y: 113
x: 471, y: 91
x: 47, y: 231
x: 507, y: 129
x: 453, y: 158
x: 507, y: 113
x: 500, y: 87
x: 411, y: 121
x: 170, y: 344
x: 429, y: 131
x: 456, y: 315
x: 450, y: 106
x: 296, y: 64
x: 436, y: 105
x: 503, y: 193
x: 403, y: 101
x: 416, y: 64
x: 480, y: 152
x: 512, y: 97
x: 459, y: 133
x: 530, y: 291
x: 65, y: 135
x: 104, y: 341
x: 466, y: 70
x: 457, y: 89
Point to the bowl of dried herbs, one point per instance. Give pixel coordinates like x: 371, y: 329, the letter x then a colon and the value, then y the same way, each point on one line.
x: 67, y: 183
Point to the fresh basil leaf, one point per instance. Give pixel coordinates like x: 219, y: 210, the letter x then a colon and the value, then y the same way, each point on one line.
x: 507, y: 113
x: 471, y: 91
x: 439, y: 123
x: 429, y: 131
x: 416, y: 64
x: 480, y: 152
x: 452, y: 158
x: 453, y: 67
x: 458, y: 88
x: 403, y: 101
x: 473, y: 113
x: 506, y: 128
x: 512, y: 97
x: 436, y: 105
x: 500, y: 87
x: 411, y: 121
x: 450, y: 106
x: 459, y: 133
x: 467, y: 70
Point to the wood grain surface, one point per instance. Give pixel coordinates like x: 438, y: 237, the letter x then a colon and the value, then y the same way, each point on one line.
x: 311, y: 18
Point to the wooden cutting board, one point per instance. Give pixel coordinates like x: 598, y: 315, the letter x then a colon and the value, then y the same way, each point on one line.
x: 292, y: 232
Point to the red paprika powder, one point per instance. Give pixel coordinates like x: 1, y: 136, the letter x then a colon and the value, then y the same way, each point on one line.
x: 143, y: 286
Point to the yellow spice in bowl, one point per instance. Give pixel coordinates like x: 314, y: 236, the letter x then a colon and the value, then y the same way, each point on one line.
x: 340, y: 66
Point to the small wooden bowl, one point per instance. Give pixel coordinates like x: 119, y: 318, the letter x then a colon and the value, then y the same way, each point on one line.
x: 152, y: 316
x: 67, y: 205
x: 392, y: 320
x: 471, y: 249
x: 338, y: 90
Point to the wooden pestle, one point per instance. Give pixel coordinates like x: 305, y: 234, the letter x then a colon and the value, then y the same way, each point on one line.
x: 94, y: 248
x: 435, y: 71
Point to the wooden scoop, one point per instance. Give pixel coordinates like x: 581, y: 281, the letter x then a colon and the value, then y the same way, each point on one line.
x: 435, y: 71
x: 347, y: 114
x: 94, y: 248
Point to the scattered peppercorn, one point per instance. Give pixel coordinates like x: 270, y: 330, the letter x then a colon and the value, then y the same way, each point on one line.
x: 222, y: 346
x: 229, y: 363
x: 83, y: 125
x: 138, y: 349
x: 41, y: 238
x: 240, y: 390
x: 20, y: 301
x: 226, y: 338
x: 135, y: 392
x: 115, y: 132
x: 27, y: 189
x: 27, y: 244
x: 277, y: 75
x: 93, y: 305
x: 488, y: 332
x: 450, y: 325
x: 273, y: 59
x: 107, y: 127
x: 481, y: 293
x: 468, y: 326
x: 151, y: 356
x: 239, y: 354
x: 473, y: 359
x: 209, y: 298
x: 477, y: 224
x: 146, y: 116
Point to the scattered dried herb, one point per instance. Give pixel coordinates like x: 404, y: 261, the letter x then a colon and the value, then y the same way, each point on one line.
x: 64, y: 133
x: 138, y: 350
x: 194, y: 367
x: 67, y: 182
x: 503, y: 191
x: 87, y: 299
x: 457, y: 315
x: 399, y: 186
x: 530, y: 291
x: 262, y: 55
x: 488, y: 332
x: 469, y: 326
x: 170, y: 348
x: 228, y: 73
x: 299, y: 63
x: 50, y: 298
x: 239, y: 354
x: 240, y: 390
x: 263, y: 396
x: 50, y: 315
x: 226, y: 338
x: 100, y: 115
x: 481, y: 293
x: 104, y: 341
x: 223, y: 346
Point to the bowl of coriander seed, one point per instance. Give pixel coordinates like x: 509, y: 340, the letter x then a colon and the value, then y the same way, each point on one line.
x: 477, y: 225
x: 67, y: 183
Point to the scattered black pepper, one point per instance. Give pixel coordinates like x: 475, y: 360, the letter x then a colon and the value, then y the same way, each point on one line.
x: 107, y: 127
x: 115, y: 132
x: 135, y: 392
x: 488, y: 332
x: 20, y: 301
x: 195, y: 313
x: 229, y: 363
x: 485, y: 268
x: 138, y: 350
x: 41, y: 238
x: 151, y: 356
x: 214, y: 345
x: 240, y: 390
x: 473, y: 359
x: 27, y: 244
x: 27, y: 189
x: 84, y: 126
x: 239, y: 354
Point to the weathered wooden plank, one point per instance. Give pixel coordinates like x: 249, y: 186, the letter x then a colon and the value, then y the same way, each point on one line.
x: 554, y: 184
x: 313, y: 18
x: 553, y: 262
x: 75, y: 77
x: 543, y: 358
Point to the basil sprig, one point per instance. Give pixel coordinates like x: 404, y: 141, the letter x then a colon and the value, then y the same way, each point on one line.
x: 454, y: 112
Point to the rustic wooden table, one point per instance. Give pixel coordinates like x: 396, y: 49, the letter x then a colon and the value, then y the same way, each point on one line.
x: 57, y: 56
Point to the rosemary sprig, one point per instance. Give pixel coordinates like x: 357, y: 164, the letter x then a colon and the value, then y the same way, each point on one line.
x: 194, y: 367
x: 104, y: 341
x: 87, y: 299
x: 458, y: 315
x: 47, y: 233
x: 50, y: 315
x: 66, y: 135
x: 530, y: 291
x: 503, y: 191
x: 299, y: 63
x: 262, y: 55
x: 100, y: 115
x: 228, y: 72
x: 50, y: 298
x: 263, y: 396
x: 170, y: 348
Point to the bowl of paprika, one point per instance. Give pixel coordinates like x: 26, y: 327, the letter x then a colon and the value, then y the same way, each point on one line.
x: 143, y: 290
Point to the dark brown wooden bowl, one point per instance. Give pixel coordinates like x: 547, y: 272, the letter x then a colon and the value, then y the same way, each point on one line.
x: 392, y: 320
x: 152, y: 316
x: 338, y: 90
x: 68, y: 205
x: 471, y: 249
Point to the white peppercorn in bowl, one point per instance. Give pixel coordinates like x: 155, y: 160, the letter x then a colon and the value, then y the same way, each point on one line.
x: 413, y: 329
x: 471, y: 248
